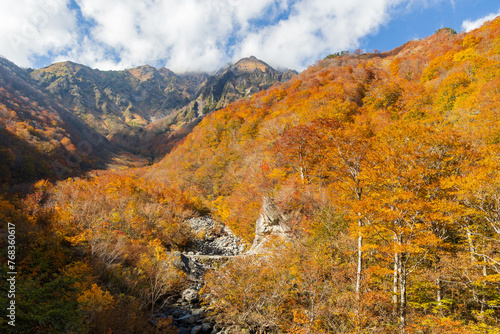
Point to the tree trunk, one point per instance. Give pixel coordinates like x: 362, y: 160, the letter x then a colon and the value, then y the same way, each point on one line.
x: 402, y: 292
x: 359, y: 269
x: 395, y: 283
x: 472, y: 249
x: 483, y: 299
x: 439, y: 292
x: 360, y: 262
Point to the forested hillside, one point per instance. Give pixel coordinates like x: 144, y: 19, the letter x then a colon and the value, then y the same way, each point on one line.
x: 383, y: 170
x: 392, y: 162
x: 39, y: 138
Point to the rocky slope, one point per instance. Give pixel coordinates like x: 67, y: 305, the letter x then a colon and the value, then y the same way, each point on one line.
x: 240, y: 80
x: 135, y: 107
x: 111, y: 101
x: 215, y: 244
x: 214, y: 238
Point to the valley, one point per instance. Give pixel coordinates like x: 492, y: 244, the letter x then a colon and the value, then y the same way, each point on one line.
x: 360, y: 195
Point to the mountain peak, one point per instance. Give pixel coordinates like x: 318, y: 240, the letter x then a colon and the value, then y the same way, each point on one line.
x: 143, y: 73
x: 67, y: 64
x: 250, y: 64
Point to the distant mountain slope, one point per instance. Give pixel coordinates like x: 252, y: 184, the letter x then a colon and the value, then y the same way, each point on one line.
x: 121, y: 104
x: 111, y: 101
x: 38, y: 137
x: 240, y: 80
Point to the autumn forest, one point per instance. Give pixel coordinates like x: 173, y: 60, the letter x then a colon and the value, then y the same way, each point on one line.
x: 384, y: 169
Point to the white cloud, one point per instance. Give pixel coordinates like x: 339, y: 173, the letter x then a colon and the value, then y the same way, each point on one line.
x: 314, y: 28
x: 205, y: 34
x: 31, y: 28
x: 189, y: 35
x: 469, y: 25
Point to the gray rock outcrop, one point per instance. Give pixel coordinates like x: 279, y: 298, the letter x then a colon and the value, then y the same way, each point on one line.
x: 214, y: 238
x: 193, y: 269
x: 272, y: 223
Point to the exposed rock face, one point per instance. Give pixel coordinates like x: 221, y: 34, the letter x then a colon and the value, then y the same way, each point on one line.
x: 215, y: 241
x: 250, y: 64
x: 272, y: 222
x: 193, y: 269
x: 240, y: 80
x: 111, y: 101
x: 135, y: 106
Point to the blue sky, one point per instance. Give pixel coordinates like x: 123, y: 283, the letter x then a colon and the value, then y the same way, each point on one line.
x: 423, y: 21
x: 203, y: 35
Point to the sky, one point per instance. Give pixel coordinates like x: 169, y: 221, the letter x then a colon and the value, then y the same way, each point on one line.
x: 203, y: 35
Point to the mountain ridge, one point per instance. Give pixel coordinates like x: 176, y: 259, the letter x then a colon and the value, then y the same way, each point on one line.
x: 124, y: 105
x: 39, y: 137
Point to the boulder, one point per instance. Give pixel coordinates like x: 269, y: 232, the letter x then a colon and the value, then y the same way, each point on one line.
x: 196, y: 330
x: 192, y: 269
x: 198, y: 312
x: 188, y: 319
x: 206, y: 327
x: 190, y: 295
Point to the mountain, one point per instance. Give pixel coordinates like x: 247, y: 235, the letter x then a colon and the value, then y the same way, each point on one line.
x: 240, y: 80
x: 122, y: 104
x: 111, y: 101
x: 39, y: 137
x: 369, y: 184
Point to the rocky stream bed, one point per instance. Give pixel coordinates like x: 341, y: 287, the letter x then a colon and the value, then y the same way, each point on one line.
x: 215, y: 244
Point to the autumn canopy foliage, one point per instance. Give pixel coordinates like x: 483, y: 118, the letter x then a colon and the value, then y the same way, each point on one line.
x: 401, y: 149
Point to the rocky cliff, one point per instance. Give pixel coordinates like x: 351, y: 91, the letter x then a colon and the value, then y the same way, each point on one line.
x: 111, y: 101
x: 273, y: 223
x: 133, y: 107
x: 240, y: 80
x: 215, y: 244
